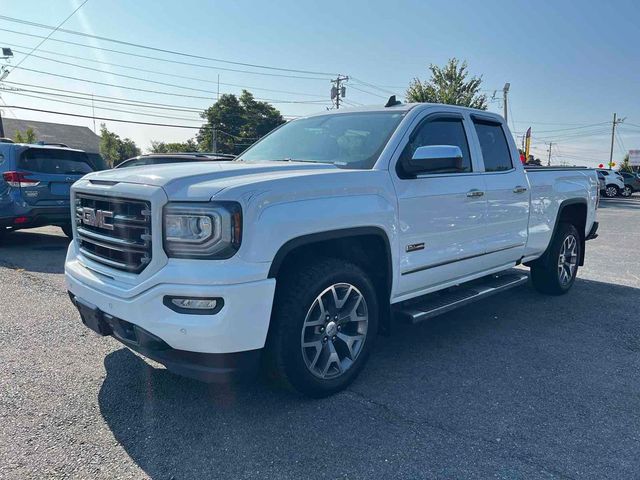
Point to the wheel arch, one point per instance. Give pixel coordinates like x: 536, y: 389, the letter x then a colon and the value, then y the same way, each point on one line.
x: 574, y: 211
x: 367, y: 246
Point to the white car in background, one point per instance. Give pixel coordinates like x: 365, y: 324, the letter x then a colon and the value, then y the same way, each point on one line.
x: 614, y: 183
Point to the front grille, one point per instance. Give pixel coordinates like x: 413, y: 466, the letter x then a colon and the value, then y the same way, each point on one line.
x: 126, y: 246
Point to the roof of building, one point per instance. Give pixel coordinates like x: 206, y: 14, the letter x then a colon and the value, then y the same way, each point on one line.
x: 81, y: 138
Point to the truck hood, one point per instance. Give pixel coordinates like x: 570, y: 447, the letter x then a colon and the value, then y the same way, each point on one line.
x: 202, y: 180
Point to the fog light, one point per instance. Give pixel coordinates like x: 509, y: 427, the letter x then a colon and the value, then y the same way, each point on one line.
x: 19, y: 220
x: 198, y: 304
x: 194, y: 305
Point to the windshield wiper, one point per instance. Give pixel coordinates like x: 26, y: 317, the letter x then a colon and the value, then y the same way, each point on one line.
x: 303, y: 161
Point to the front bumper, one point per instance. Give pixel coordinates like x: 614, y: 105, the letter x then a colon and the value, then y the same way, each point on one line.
x: 241, y: 325
x: 206, y: 367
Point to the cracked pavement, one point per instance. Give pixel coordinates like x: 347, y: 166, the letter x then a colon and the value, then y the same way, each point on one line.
x: 516, y: 386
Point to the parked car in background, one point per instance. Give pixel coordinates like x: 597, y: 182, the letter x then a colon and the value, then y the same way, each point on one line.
x: 631, y: 183
x: 35, y: 183
x: 614, y: 183
x: 163, y: 158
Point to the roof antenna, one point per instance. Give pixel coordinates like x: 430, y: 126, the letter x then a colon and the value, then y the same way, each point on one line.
x: 392, y: 102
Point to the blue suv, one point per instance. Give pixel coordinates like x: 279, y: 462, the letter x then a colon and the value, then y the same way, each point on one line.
x: 34, y: 185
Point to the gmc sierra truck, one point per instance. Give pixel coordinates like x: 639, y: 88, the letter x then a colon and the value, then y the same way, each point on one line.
x: 294, y: 256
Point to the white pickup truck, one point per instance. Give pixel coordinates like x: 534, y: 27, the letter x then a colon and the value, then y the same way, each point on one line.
x: 297, y: 254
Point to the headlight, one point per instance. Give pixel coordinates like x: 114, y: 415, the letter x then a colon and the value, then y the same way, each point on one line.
x: 202, y: 230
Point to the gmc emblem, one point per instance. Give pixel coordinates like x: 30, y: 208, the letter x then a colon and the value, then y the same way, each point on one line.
x: 97, y: 218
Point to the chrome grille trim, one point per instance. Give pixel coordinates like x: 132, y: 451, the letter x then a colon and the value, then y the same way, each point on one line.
x: 125, y: 247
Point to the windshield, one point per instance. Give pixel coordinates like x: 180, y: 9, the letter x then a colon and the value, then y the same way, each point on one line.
x: 350, y: 140
x: 44, y: 160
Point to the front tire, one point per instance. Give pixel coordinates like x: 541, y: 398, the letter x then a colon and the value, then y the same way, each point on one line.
x: 611, y: 191
x: 323, y: 325
x: 555, y: 273
x: 627, y: 192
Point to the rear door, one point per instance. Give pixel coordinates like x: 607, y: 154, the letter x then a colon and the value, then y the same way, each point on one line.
x: 51, y: 172
x: 507, y: 192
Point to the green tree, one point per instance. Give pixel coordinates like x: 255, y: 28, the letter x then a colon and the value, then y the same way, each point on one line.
x: 175, y: 147
x: 114, y: 149
x: 127, y: 149
x: 29, y: 136
x: 239, y: 122
x: 626, y: 167
x: 448, y: 84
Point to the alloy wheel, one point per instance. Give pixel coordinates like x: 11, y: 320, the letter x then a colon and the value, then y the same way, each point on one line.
x: 627, y: 191
x: 568, y: 260
x: 334, y: 331
x: 611, y: 191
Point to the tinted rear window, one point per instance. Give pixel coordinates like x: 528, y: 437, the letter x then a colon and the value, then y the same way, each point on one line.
x: 494, y: 146
x: 64, y: 162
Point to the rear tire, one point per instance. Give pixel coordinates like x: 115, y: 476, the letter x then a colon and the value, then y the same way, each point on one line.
x: 627, y: 192
x: 555, y: 273
x: 324, y: 321
x: 68, y: 230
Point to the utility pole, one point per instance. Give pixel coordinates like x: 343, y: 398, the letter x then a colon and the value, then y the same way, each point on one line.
x: 214, y: 139
x: 549, y: 160
x: 93, y: 110
x: 338, y: 90
x: 616, y: 121
x: 5, y: 54
x: 505, y: 92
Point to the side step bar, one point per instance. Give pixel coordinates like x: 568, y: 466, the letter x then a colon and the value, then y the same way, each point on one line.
x: 437, y: 303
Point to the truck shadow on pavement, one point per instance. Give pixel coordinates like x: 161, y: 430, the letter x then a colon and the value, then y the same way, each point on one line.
x: 518, y: 385
x: 34, y: 251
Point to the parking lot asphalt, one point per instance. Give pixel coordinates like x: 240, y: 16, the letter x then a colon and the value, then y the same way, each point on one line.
x: 517, y: 386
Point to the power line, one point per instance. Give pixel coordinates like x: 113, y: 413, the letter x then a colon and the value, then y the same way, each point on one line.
x: 547, y: 123
x: 67, y: 102
x: 162, y: 50
x: 130, y: 77
x: 158, y: 92
x: 155, y: 72
x: 571, y: 128
x: 592, y: 133
x: 55, y: 29
x: 367, y: 92
x: 99, y: 98
x: 177, y: 62
x: 204, y: 127
x: 370, y: 85
x: 138, y: 103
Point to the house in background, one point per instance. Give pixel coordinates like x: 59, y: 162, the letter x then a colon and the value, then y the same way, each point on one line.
x: 74, y: 136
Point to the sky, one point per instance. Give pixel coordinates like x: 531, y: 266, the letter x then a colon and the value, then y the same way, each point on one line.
x: 571, y: 65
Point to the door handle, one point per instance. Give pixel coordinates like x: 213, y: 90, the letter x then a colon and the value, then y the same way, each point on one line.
x: 475, y: 193
x: 519, y: 189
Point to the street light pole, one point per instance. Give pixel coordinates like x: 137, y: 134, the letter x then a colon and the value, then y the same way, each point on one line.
x: 505, y: 92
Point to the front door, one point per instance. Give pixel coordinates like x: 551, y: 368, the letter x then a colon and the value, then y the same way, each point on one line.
x: 441, y: 215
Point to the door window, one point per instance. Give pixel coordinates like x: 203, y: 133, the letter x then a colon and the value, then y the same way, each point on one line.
x: 439, y: 131
x: 494, y: 146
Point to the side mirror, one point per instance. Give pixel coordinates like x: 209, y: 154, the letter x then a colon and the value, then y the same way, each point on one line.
x: 435, y: 159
